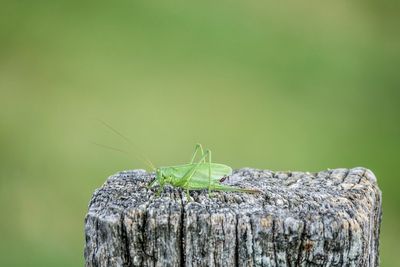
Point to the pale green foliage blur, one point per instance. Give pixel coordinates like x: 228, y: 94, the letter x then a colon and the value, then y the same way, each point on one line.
x: 286, y: 86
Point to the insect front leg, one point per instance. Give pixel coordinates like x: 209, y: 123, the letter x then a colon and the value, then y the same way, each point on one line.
x: 158, y: 179
x: 152, y: 183
x: 160, y: 189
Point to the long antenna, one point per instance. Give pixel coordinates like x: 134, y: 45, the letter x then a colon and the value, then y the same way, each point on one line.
x: 110, y: 147
x: 127, y: 140
x: 123, y: 151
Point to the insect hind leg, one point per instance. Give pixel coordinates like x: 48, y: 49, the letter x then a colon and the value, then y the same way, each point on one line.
x: 209, y: 172
x: 196, y: 149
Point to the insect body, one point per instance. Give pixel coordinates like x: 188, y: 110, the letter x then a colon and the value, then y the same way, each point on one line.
x: 196, y: 176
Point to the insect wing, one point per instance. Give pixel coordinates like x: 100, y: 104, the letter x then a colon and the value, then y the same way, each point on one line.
x: 217, y: 172
x: 202, y: 171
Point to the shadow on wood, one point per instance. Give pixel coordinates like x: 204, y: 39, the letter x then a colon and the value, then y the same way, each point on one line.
x: 329, y: 218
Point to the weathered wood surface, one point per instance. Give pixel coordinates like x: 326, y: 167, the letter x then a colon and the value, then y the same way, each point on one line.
x: 329, y: 218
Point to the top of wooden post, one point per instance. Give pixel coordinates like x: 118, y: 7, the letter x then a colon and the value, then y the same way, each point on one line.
x: 330, y: 217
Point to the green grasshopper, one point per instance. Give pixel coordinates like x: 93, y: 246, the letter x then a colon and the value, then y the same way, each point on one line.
x: 192, y: 176
x: 196, y: 176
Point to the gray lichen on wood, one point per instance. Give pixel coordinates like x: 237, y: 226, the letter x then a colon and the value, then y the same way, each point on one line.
x: 329, y: 218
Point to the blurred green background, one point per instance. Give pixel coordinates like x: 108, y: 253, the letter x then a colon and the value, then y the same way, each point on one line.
x: 282, y: 86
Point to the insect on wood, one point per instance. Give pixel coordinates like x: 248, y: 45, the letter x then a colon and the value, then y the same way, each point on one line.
x: 203, y: 174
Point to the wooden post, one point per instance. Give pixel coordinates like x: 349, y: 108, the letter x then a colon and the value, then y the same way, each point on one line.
x: 329, y: 218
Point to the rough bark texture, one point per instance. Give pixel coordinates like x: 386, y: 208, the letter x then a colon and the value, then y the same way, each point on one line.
x: 329, y: 218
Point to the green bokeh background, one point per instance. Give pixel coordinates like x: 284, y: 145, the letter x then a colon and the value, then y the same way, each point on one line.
x: 283, y: 86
